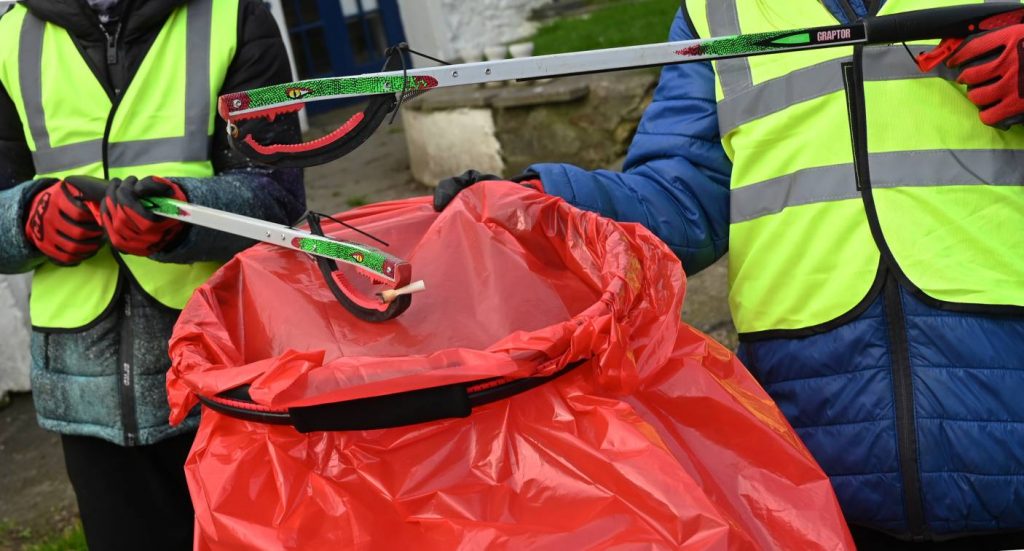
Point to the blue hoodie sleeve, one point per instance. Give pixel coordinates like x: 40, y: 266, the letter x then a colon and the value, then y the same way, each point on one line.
x: 676, y: 177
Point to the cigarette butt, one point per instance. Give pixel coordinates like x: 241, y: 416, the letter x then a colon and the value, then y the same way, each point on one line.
x: 414, y: 287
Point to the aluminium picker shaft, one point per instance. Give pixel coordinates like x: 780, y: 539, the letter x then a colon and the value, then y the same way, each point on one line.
x: 387, y: 89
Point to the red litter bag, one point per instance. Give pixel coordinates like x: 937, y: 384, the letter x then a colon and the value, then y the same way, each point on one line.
x: 647, y: 433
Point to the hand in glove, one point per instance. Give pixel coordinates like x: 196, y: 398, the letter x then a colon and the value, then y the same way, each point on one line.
x: 989, y: 63
x: 447, y: 189
x: 130, y: 226
x: 61, y: 226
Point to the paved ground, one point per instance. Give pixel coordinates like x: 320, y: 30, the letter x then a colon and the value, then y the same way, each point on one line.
x: 35, y: 496
x: 376, y: 171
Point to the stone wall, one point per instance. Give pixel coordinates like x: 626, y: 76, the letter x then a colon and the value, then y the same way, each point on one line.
x: 444, y: 143
x: 592, y: 132
x: 488, y: 21
x: 587, y: 121
x: 446, y: 28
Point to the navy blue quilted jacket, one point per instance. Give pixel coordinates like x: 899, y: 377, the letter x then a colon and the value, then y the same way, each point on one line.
x: 915, y: 412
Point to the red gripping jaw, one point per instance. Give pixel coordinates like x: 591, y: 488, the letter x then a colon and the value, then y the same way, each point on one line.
x: 350, y: 135
x: 403, y: 276
x: 311, y: 145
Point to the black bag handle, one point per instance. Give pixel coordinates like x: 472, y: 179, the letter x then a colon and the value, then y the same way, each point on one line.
x: 381, y: 412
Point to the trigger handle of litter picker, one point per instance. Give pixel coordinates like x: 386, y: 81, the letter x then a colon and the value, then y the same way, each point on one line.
x: 361, y: 307
x: 949, y: 45
x: 950, y: 22
x: 926, y: 61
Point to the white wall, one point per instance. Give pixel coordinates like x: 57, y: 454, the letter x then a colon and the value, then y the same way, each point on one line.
x: 425, y: 29
x: 447, y: 27
x: 278, y: 13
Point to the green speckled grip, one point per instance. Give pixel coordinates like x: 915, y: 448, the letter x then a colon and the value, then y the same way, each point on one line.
x: 273, y: 96
x: 366, y: 257
x: 777, y: 41
x: 164, y: 205
x: 373, y: 263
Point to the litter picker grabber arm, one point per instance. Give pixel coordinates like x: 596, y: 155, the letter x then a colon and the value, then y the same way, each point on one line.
x: 387, y: 89
x: 391, y: 273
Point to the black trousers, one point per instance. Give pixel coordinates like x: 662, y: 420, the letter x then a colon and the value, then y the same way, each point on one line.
x: 131, y: 498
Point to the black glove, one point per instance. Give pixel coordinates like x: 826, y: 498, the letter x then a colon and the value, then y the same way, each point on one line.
x: 447, y: 189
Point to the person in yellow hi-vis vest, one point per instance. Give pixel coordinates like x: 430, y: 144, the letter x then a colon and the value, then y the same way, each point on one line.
x: 876, y: 236
x: 125, y: 91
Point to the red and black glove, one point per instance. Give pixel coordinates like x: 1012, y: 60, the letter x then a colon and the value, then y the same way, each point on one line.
x: 61, y: 226
x: 447, y: 189
x: 131, y: 228
x: 989, y: 63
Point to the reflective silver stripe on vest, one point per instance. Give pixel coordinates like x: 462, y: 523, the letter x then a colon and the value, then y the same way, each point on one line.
x: 45, y: 158
x: 772, y: 96
x: 159, y: 150
x: 30, y: 51
x: 57, y: 159
x: 999, y: 167
x: 197, y: 81
x: 734, y: 73
x: 193, y: 146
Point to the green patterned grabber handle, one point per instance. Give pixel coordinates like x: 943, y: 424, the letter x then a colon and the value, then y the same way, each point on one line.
x: 261, y: 102
x: 373, y: 263
x: 171, y: 208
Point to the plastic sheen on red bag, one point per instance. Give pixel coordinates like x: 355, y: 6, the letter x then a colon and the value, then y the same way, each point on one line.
x: 660, y: 439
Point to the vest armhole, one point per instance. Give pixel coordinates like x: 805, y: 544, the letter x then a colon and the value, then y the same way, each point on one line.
x: 689, y: 20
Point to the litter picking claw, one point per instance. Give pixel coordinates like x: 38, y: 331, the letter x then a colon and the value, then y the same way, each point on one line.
x: 379, y: 267
x: 385, y: 93
x: 338, y: 143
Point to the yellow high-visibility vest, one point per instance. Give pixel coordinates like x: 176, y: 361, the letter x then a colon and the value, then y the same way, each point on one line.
x: 941, y: 194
